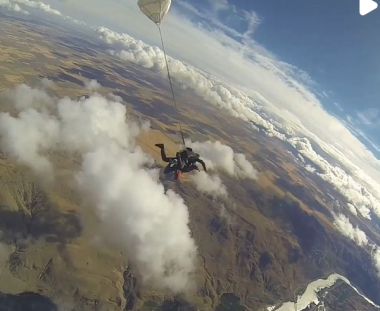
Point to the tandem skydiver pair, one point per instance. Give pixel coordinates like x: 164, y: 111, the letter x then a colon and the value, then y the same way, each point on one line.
x: 184, y: 161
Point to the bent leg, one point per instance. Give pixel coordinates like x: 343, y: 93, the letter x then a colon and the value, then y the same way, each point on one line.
x: 164, y: 157
x: 163, y: 153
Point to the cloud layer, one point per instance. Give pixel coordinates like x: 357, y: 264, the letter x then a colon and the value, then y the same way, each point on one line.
x: 11, y: 6
x: 14, y: 5
x: 345, y: 227
x: 343, y: 224
x: 218, y: 156
x: 137, y: 214
x: 209, y: 184
x: 376, y: 259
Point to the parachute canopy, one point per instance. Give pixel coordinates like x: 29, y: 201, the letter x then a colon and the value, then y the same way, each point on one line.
x: 155, y: 9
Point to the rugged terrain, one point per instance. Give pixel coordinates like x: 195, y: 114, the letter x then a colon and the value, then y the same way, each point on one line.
x: 255, y: 248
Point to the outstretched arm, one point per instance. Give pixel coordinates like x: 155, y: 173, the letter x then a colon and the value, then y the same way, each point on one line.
x: 203, y: 164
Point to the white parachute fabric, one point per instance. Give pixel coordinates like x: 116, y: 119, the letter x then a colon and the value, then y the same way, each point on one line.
x: 155, y: 10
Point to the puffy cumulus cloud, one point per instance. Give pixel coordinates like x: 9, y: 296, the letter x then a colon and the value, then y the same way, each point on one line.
x: 47, y: 83
x: 132, y: 50
x: 243, y: 168
x: 25, y: 97
x: 210, y: 184
x: 14, y: 5
x: 28, y: 137
x: 91, y: 122
x: 376, y: 259
x: 115, y: 98
x: 38, y: 5
x: 75, y: 21
x: 92, y: 85
x: 45, y: 123
x: 343, y: 224
x: 9, y: 5
x: 354, y: 191
x: 148, y: 223
x: 310, y: 168
x: 116, y: 177
x: 221, y: 157
x: 352, y: 209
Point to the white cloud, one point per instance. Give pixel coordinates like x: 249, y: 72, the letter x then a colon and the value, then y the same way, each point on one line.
x: 219, y: 5
x: 339, y: 107
x: 47, y: 83
x: 137, y: 215
x: 376, y: 259
x: 301, y: 158
x: 369, y: 116
x: 345, y: 227
x: 92, y: 85
x: 115, y: 98
x: 254, y: 127
x: 352, y: 209
x: 342, y: 181
x: 310, y: 168
x: 28, y: 137
x: 38, y: 5
x: 75, y: 21
x: 222, y: 157
x: 9, y: 5
x: 14, y: 5
x: 343, y: 224
x: 210, y: 184
x: 23, y: 96
x: 243, y: 168
x: 149, y: 224
x: 206, y: 86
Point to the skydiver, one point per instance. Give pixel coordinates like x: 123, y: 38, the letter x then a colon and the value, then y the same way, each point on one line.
x: 186, y: 160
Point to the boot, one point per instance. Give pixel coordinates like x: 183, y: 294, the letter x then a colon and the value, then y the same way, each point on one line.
x: 159, y: 145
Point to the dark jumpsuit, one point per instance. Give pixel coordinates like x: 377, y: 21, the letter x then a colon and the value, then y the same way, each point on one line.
x: 186, y: 160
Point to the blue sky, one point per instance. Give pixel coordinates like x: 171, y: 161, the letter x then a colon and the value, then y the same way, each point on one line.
x: 329, y: 40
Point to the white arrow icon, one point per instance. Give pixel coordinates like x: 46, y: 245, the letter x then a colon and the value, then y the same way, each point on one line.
x: 367, y: 6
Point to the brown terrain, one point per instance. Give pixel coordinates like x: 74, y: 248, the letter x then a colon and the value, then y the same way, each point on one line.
x: 255, y: 248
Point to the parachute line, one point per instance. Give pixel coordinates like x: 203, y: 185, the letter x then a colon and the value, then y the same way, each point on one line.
x: 170, y: 82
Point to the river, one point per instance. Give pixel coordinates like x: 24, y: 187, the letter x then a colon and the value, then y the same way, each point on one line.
x: 310, y: 294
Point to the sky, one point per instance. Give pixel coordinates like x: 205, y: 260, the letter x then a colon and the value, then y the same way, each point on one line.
x: 306, y: 72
